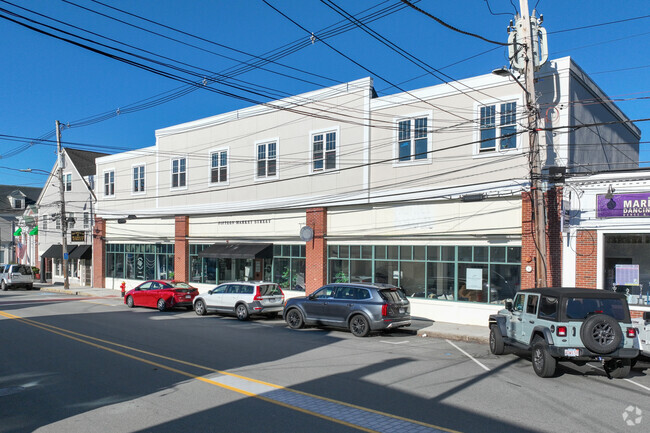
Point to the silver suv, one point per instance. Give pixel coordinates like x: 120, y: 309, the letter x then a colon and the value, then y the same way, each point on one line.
x: 359, y: 307
x: 14, y: 276
x: 567, y: 324
x: 244, y: 298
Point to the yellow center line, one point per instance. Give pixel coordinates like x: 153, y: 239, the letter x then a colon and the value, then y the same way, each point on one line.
x: 80, y: 338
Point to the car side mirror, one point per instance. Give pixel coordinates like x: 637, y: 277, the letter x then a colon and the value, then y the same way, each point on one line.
x: 311, y: 296
x: 508, y: 305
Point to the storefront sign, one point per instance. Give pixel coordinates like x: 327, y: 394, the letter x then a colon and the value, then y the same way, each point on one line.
x: 474, y: 278
x: 78, y: 236
x: 623, y: 206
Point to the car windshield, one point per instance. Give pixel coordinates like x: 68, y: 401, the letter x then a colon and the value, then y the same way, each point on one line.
x: 392, y: 295
x: 180, y: 285
x: 580, y: 308
x: 269, y: 290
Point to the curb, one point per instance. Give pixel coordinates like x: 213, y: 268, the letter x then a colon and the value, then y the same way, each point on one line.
x: 456, y: 337
x: 74, y: 292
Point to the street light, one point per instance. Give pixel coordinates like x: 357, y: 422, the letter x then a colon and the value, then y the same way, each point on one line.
x: 505, y: 72
x: 32, y: 170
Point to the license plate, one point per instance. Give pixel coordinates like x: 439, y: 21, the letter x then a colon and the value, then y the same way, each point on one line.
x: 188, y: 296
x: 571, y: 352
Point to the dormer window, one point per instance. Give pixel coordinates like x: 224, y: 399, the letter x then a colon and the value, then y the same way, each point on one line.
x: 19, y: 203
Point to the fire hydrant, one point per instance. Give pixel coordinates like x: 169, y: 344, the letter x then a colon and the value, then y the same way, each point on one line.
x: 123, y: 287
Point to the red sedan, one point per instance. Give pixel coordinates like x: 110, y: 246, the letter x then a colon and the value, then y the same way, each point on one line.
x: 161, y: 294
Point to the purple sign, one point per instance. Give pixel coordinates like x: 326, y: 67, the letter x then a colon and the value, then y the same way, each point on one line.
x: 623, y: 206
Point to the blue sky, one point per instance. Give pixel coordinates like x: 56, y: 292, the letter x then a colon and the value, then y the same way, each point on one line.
x: 44, y: 79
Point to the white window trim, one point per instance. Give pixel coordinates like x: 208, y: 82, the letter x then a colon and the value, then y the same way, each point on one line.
x: 228, y: 166
x: 144, y: 192
x: 518, y: 98
x: 65, y: 184
x: 336, y: 129
x: 108, y: 170
x: 275, y: 140
x: 171, y: 173
x: 412, y: 117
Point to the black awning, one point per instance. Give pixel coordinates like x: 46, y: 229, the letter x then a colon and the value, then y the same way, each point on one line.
x: 54, y: 252
x: 238, y: 251
x: 82, y: 252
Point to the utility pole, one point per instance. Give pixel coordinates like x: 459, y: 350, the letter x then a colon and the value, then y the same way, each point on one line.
x: 539, y: 208
x: 64, y: 219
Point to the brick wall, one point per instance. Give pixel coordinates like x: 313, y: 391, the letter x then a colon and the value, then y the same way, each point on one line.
x: 181, y: 248
x: 99, y: 253
x: 529, y: 255
x: 586, y: 258
x: 316, y: 250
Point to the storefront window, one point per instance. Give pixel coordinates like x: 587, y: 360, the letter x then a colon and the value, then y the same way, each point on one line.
x: 288, y: 268
x: 432, y: 272
x: 140, y: 262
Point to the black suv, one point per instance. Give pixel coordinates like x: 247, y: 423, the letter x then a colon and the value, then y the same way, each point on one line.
x: 359, y: 307
x: 567, y: 324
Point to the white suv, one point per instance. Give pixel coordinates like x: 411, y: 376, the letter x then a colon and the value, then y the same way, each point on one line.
x: 13, y: 276
x: 243, y: 298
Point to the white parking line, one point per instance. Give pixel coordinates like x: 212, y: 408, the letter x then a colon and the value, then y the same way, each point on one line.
x: 628, y: 380
x: 469, y: 356
x: 394, y: 342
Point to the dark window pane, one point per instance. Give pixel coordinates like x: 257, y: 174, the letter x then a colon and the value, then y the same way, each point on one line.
x: 480, y: 254
x: 392, y: 252
x: 497, y: 254
x: 333, y: 251
x: 514, y: 254
x: 355, y: 252
x: 433, y: 252
x: 448, y: 253
x: 344, y: 251
x: 418, y: 252
x: 380, y: 252
x: 405, y: 253
x: 366, y: 252
x: 465, y: 254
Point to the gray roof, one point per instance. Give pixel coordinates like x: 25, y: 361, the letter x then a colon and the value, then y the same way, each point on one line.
x: 6, y: 207
x: 84, y: 160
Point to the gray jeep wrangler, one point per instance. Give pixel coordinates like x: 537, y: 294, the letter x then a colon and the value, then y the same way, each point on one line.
x: 567, y: 324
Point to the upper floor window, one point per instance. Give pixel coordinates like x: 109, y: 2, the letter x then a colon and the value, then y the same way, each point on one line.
x: 18, y: 203
x: 498, y: 127
x: 324, y: 151
x: 86, y: 220
x: 67, y: 181
x: 179, y: 173
x: 219, y: 166
x: 43, y: 222
x: 109, y: 183
x: 412, y: 139
x: 138, y: 178
x: 266, y: 160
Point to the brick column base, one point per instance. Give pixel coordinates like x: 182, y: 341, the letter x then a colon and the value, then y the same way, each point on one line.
x: 586, y: 259
x: 99, y: 253
x: 181, y: 248
x: 316, y: 250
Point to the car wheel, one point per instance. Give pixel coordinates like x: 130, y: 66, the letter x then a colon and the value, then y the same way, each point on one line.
x: 294, y: 319
x: 543, y: 363
x: 129, y: 301
x: 359, y: 326
x: 496, y: 341
x: 601, y: 333
x: 619, y: 368
x: 4, y: 286
x: 199, y: 308
x: 241, y: 311
x: 162, y: 305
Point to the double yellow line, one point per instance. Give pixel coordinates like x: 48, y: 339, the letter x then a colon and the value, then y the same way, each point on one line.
x: 95, y: 342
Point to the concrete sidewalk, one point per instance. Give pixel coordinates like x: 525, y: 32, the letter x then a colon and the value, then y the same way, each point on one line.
x: 420, y: 326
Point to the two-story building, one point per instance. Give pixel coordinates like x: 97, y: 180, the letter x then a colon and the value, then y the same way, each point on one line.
x: 15, y: 229
x: 80, y: 202
x: 426, y: 189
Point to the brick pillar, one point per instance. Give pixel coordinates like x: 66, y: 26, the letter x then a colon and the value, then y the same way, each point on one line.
x: 586, y: 259
x: 316, y: 250
x: 99, y: 253
x: 528, y: 250
x: 554, y: 236
x: 529, y: 256
x: 181, y: 248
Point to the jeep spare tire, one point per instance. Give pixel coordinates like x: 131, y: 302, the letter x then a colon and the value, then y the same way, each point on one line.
x: 601, y: 333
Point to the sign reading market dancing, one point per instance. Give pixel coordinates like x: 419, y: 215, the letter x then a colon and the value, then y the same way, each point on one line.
x: 623, y: 206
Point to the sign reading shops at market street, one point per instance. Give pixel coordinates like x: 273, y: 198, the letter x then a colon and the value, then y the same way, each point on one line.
x: 623, y: 206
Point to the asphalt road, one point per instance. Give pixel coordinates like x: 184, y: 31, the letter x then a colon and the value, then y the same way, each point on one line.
x: 89, y: 364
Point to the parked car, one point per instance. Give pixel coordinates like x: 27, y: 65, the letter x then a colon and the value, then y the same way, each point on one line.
x: 567, y: 324
x: 161, y: 294
x: 243, y: 298
x: 643, y: 329
x: 359, y: 307
x: 15, y: 276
